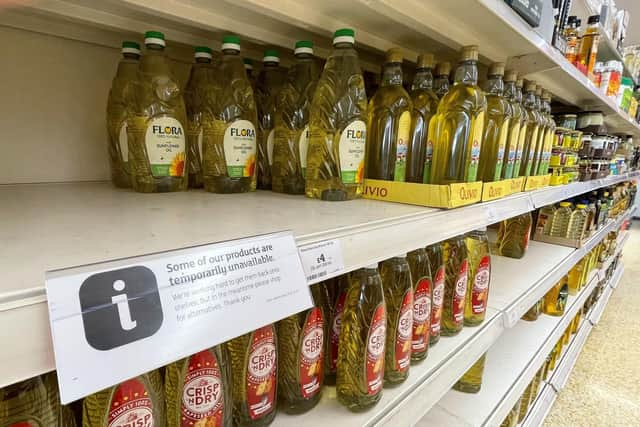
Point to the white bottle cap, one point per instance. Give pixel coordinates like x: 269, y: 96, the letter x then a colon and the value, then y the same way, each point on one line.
x: 372, y: 266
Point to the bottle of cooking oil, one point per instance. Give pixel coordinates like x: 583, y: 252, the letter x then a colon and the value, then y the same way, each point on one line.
x: 301, y: 343
x: 198, y: 390
x: 362, y: 341
x: 389, y: 124
x: 556, y: 298
x: 471, y: 381
x: 531, y: 131
x: 496, y: 128
x: 139, y: 400
x: 589, y: 45
x: 524, y: 119
x: 229, y: 139
x: 291, y: 122
x: 548, y: 139
x: 545, y: 219
x: 422, y: 293
x: 156, y: 124
x: 201, y: 78
x: 513, y: 236
x: 457, y: 128
x: 254, y: 361
x: 33, y: 403
x: 455, y: 290
x: 437, y: 267
x: 543, y: 129
x: 119, y: 98
x: 248, y: 67
x: 515, y: 122
x: 477, y: 245
x: 425, y: 104
x: 337, y: 128
x: 525, y: 400
x: 534, y: 312
x: 560, y: 221
x: 268, y: 85
x: 574, y: 280
x: 336, y: 291
x: 536, y: 384
x: 577, y: 222
x: 511, y: 420
x: 441, y: 82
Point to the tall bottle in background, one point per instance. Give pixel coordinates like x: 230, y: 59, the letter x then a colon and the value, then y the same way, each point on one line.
x: 441, y: 82
x: 477, y: 245
x: 543, y: 129
x: 589, y: 46
x: 455, y: 290
x: 471, y: 381
x: 425, y: 104
x: 457, y: 128
x: 531, y: 132
x: 117, y: 104
x: 229, y: 141
x: 438, y: 273
x: 496, y: 128
x: 389, y: 124
x: 157, y: 123
x: 524, y: 120
x: 422, y: 293
x: 515, y: 122
x: 337, y: 126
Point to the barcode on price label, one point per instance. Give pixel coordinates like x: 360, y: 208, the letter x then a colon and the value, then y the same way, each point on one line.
x: 321, y: 260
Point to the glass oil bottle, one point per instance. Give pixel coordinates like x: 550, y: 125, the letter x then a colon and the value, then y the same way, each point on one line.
x: 455, y: 290
x: 336, y: 292
x: 438, y: 273
x: 555, y: 299
x: 542, y: 132
x: 513, y: 236
x: 543, y: 167
x: 524, y: 120
x: 32, y: 402
x: 515, y: 122
x: 441, y: 82
x: 471, y: 381
x: 479, y: 258
x: 422, y: 293
x: 531, y: 130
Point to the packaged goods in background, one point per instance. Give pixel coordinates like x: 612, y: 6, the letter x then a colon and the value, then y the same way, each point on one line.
x: 438, y: 273
x: 479, y: 259
x: 513, y: 236
x: 515, y: 123
x: 422, y: 295
x: 455, y: 290
x: 471, y: 381
x: 441, y: 81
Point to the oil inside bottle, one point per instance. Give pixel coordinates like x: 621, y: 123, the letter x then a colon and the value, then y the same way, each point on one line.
x: 555, y: 299
x: 441, y: 82
x: 422, y: 293
x: 477, y: 245
x: 524, y: 119
x: 543, y: 130
x: 561, y: 218
x: 513, y: 236
x: 455, y: 290
x: 471, y: 381
x: 336, y: 293
x: 531, y: 129
x: 437, y: 267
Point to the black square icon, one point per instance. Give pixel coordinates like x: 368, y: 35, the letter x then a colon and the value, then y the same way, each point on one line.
x: 120, y: 307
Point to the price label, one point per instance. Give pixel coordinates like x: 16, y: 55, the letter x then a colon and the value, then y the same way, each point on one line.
x: 322, y: 260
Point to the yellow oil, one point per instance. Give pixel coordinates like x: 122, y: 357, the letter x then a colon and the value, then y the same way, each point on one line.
x: 551, y: 130
x: 477, y: 295
x: 362, y: 341
x: 524, y: 119
x: 560, y: 221
x: 335, y: 291
x: 525, y: 400
x: 576, y: 275
x: 455, y: 289
x: 534, y: 312
x: 555, y: 299
x: 515, y: 121
x: 543, y: 129
x: 438, y: 273
x: 471, y: 381
x: 117, y: 105
x: 588, y: 50
x: 537, y: 380
x: 337, y: 126
x: 291, y: 123
x: 441, y: 82
x: 457, y: 128
x: 389, y: 124
x: 513, y: 236
x: 140, y: 398
x: 422, y: 293
x: 578, y: 222
x: 229, y: 131
x: 198, y: 390
x: 157, y: 124
x: 531, y: 129
x: 511, y: 420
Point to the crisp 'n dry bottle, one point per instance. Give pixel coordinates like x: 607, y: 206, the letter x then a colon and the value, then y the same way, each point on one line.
x: 471, y: 381
x: 254, y: 362
x: 436, y: 264
x: 336, y: 292
x: 362, y: 341
x: 455, y: 289
x: 479, y: 258
x: 513, y: 236
x: 422, y: 290
x: 198, y: 390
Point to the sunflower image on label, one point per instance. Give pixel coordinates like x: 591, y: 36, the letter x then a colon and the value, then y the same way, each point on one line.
x: 165, y: 143
x: 460, y: 293
x: 480, y: 290
x: 351, y: 152
x: 402, y: 142
x: 311, y: 353
x: 303, y: 148
x: 438, y: 299
x: 202, y: 397
x: 270, y: 142
x: 130, y: 405
x: 123, y: 143
x: 240, y: 148
x: 374, y: 365
x: 476, y: 142
x: 335, y: 329
x: 421, y: 315
x: 261, y: 373
x: 403, y: 335
x: 426, y: 175
x: 502, y: 142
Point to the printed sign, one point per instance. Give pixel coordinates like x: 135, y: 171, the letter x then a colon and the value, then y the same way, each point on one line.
x: 322, y: 260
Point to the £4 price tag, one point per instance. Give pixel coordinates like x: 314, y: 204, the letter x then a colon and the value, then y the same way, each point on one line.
x: 321, y: 260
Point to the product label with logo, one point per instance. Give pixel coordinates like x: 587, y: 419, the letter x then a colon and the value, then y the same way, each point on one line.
x: 165, y: 142
x: 480, y: 290
x: 402, y: 143
x: 240, y: 148
x: 520, y: 150
x: 131, y: 405
x: 403, y: 335
x: 460, y: 293
x: 202, y: 397
x: 438, y: 299
x: 261, y: 372
x: 475, y: 139
x: 421, y: 315
x: 426, y: 176
x: 123, y: 143
x: 303, y: 147
x: 374, y: 366
x: 351, y: 151
x: 270, y: 142
x: 502, y: 142
x: 311, y: 352
x: 335, y: 329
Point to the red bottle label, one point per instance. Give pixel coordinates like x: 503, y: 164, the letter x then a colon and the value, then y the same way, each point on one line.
x: 311, y: 352
x: 25, y: 424
x: 131, y: 405
x: 335, y: 330
x: 202, y: 397
x: 261, y: 372
x: 421, y: 315
x: 460, y: 292
x: 438, y: 299
x: 480, y: 290
x: 375, y: 350
x: 403, y: 335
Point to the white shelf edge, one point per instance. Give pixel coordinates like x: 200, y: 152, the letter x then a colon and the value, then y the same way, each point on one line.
x: 541, y: 407
x: 561, y: 374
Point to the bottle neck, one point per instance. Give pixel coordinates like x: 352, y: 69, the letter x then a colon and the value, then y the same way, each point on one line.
x: 529, y: 100
x: 510, y: 91
x: 518, y: 94
x: 423, y: 79
x: 495, y: 85
x: 391, y: 74
x: 466, y: 73
x: 270, y: 64
x: 343, y: 45
x: 230, y: 52
x: 203, y: 60
x: 155, y: 47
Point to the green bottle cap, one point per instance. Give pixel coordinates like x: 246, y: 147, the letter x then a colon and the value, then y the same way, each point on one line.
x: 344, y: 35
x: 271, y: 55
x: 154, y: 37
x: 131, y: 47
x: 303, y: 46
x: 202, y: 52
x: 231, y: 43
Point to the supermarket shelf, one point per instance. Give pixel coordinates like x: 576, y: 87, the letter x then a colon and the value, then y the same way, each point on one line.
x: 598, y: 308
x: 549, y: 195
x: 541, y: 407
x: 616, y: 280
x: 560, y: 375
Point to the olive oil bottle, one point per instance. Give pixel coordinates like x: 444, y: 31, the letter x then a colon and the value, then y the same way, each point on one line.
x: 471, y: 381
x: 248, y: 67
x: 268, y: 85
x: 157, y: 123
x: 301, y: 344
x: 140, y: 398
x: 117, y: 104
x: 531, y: 130
x: 524, y: 120
x: 398, y: 295
x: 457, y: 128
x: 362, y: 341
x: 513, y: 236
x: 291, y: 122
x: 543, y: 128
x: 336, y: 293
x: 422, y: 293
x: 389, y: 124
x: 201, y: 78
x: 229, y: 137
x: 441, y: 82
x: 437, y: 266
x: 515, y: 122
x: 425, y: 104
x: 496, y: 127
x: 337, y: 126
x: 545, y: 157
x: 477, y: 245
x: 198, y: 390
x: 254, y: 366
x: 455, y: 289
